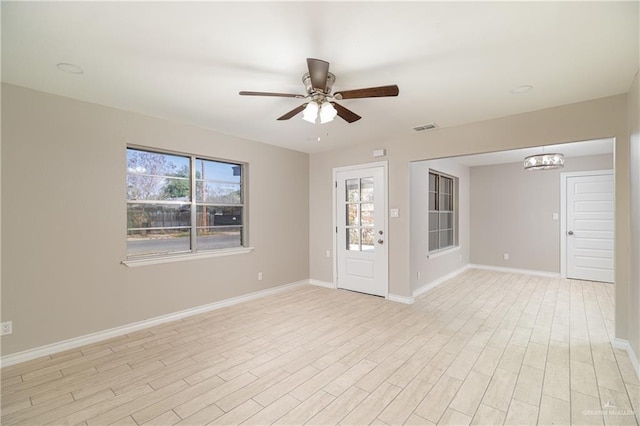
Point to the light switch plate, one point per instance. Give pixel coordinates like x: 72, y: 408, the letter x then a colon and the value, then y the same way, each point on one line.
x: 395, y: 213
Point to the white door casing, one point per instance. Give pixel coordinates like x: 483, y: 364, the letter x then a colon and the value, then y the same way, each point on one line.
x: 587, y: 231
x: 360, y: 218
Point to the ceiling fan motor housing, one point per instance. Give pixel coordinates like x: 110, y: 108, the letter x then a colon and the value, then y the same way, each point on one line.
x: 306, y: 79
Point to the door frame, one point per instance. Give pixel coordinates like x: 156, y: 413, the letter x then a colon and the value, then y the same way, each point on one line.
x: 563, y: 214
x: 385, y: 182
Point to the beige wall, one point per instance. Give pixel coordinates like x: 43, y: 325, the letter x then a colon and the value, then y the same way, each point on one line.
x: 64, y: 220
x: 430, y: 268
x: 595, y: 119
x: 634, y: 289
x: 512, y: 212
x: 64, y: 161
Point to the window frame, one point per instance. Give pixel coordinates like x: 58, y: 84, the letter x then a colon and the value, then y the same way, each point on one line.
x: 438, y: 211
x: 193, y: 202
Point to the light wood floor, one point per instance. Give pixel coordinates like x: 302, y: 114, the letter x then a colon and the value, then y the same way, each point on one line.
x: 484, y: 348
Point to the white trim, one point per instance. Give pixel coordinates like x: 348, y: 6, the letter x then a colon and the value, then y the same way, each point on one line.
x: 407, y: 300
x: 87, y: 339
x: 384, y: 163
x: 443, y: 252
x: 434, y: 283
x: 624, y: 344
x: 517, y: 271
x: 134, y: 263
x: 325, y: 284
x: 563, y: 211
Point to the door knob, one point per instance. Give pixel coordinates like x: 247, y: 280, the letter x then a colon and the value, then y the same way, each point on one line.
x: 380, y: 241
x: 570, y: 232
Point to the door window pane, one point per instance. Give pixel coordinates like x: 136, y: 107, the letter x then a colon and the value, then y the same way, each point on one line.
x: 366, y: 213
x: 353, y: 219
x: 368, y: 240
x: 352, y: 190
x: 353, y: 239
x: 366, y: 189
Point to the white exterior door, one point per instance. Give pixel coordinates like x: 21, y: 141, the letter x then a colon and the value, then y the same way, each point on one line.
x: 590, y: 223
x: 361, y: 240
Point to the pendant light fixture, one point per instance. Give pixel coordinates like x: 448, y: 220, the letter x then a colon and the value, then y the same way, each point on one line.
x: 544, y: 161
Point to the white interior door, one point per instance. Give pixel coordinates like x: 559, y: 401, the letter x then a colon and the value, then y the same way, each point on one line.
x: 361, y: 252
x: 590, y: 223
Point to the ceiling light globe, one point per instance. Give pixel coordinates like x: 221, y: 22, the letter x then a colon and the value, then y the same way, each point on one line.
x: 327, y: 113
x: 310, y: 113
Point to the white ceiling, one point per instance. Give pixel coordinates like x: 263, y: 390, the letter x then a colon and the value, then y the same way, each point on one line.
x: 454, y: 62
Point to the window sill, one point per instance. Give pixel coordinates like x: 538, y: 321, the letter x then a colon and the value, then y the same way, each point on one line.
x: 443, y: 252
x: 134, y: 263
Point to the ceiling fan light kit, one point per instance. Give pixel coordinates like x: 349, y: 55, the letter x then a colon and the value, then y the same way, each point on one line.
x: 318, y: 84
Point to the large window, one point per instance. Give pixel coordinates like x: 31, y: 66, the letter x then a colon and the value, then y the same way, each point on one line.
x: 182, y: 203
x: 442, y: 217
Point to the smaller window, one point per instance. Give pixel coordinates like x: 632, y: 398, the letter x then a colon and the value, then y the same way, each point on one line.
x: 442, y: 215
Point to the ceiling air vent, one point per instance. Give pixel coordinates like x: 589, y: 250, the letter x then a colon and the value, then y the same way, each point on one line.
x: 425, y: 127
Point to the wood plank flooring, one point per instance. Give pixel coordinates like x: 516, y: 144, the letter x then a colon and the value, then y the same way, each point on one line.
x: 483, y: 348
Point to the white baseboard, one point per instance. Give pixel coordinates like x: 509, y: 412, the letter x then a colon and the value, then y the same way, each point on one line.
x: 87, y: 339
x: 325, y: 284
x: 431, y: 284
x: 633, y: 357
x: 545, y: 274
x: 407, y: 300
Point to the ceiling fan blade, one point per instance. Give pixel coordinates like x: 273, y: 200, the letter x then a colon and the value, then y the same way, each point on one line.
x: 293, y: 112
x: 370, y: 92
x: 318, y: 71
x: 346, y: 114
x: 281, y: 95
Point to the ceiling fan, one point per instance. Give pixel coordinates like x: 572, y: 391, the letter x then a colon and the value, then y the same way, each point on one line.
x: 318, y: 83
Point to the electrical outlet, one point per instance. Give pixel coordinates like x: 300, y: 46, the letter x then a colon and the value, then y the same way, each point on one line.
x: 259, y: 276
x: 328, y: 253
x: 505, y: 256
x: 6, y: 328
